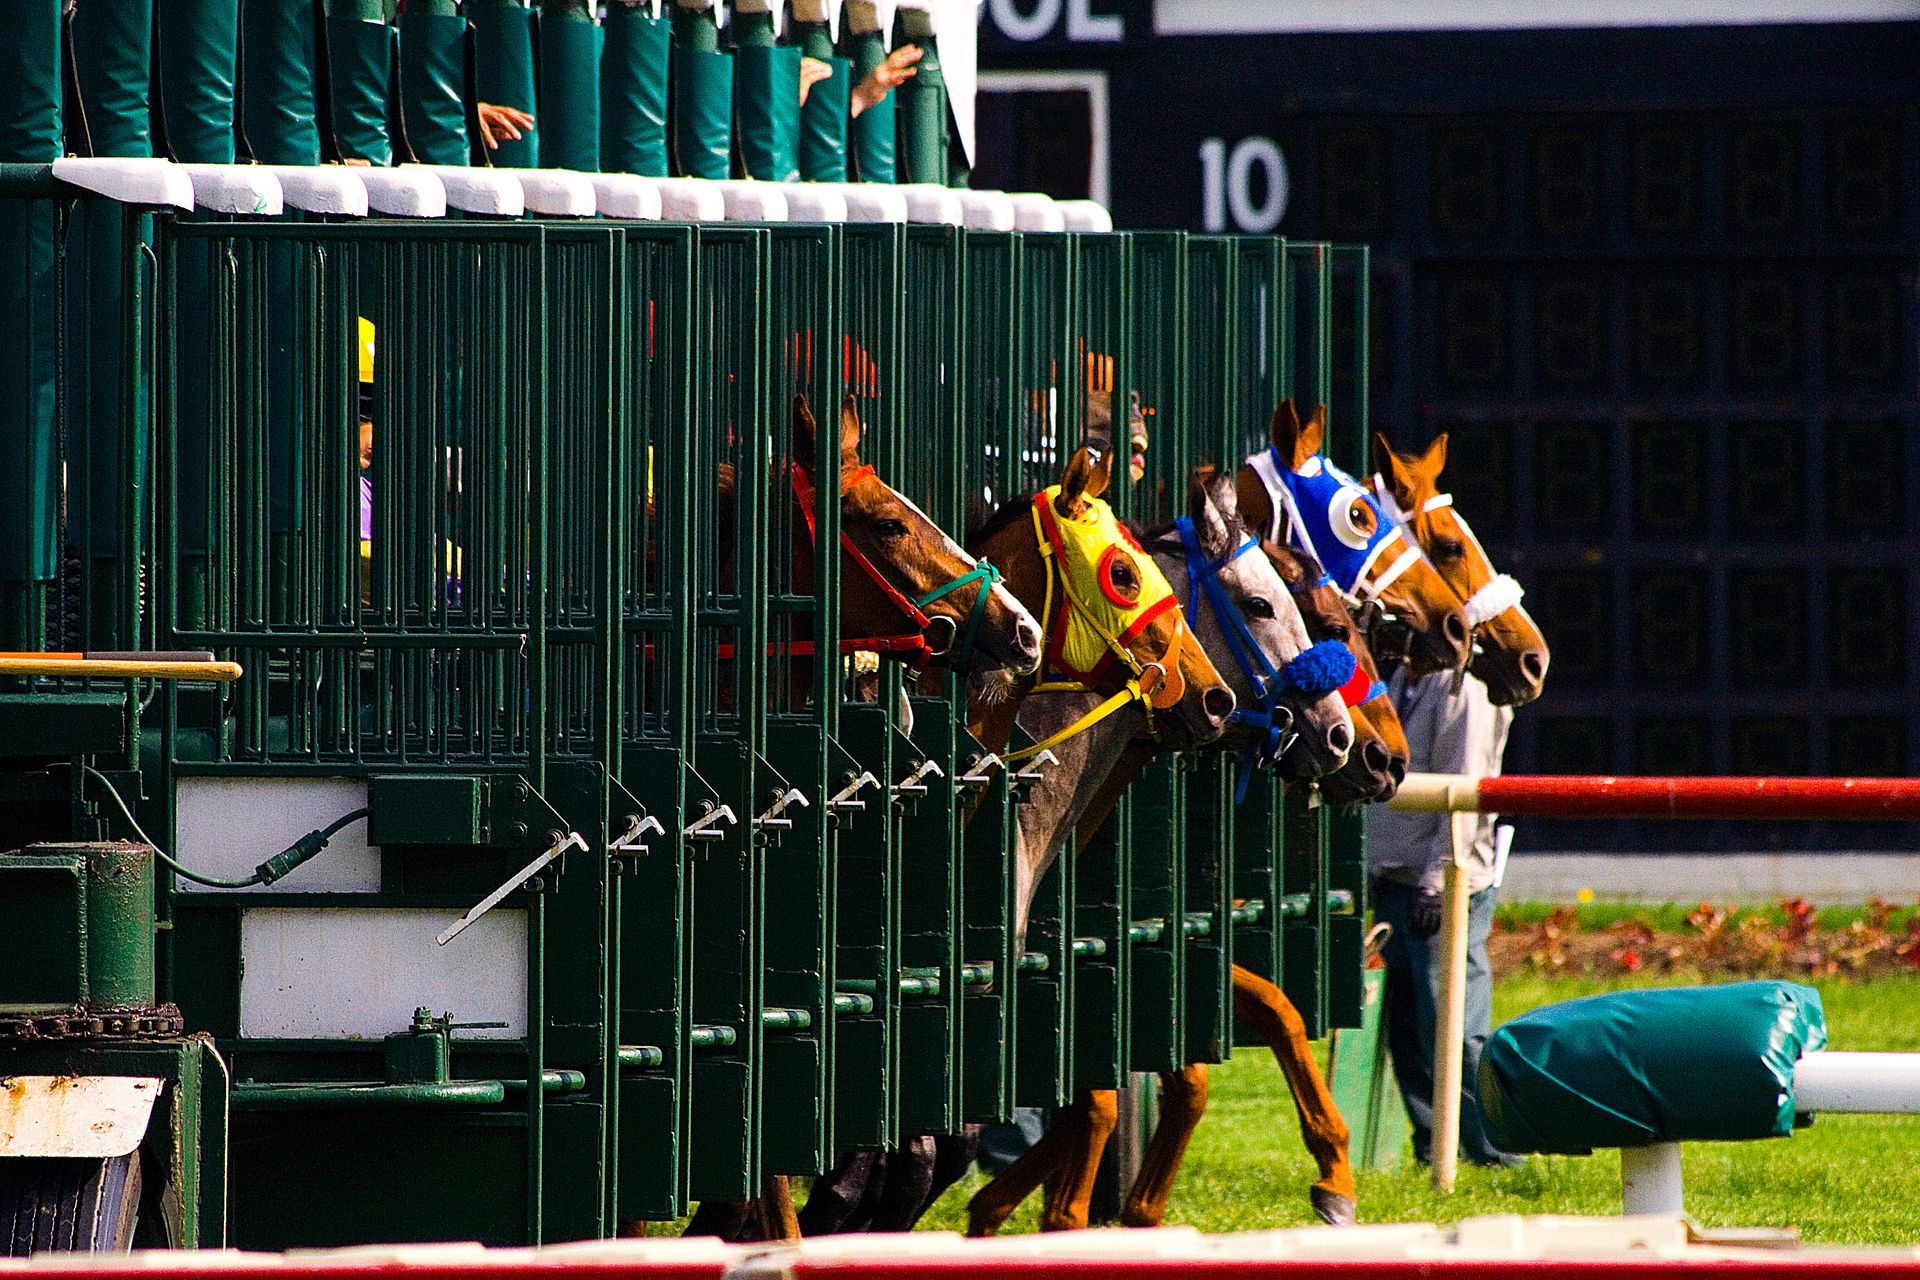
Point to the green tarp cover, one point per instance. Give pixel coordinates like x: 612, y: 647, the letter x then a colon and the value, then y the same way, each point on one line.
x: 767, y: 110
x: 873, y: 129
x: 278, y: 57
x: 359, y: 61
x: 923, y: 119
x: 112, y: 61
x: 199, y: 51
x: 503, y: 74
x: 433, y: 80
x: 633, y: 91
x: 823, y: 125
x: 569, y: 91
x: 703, y: 112
x: 30, y: 85
x: 1634, y: 1068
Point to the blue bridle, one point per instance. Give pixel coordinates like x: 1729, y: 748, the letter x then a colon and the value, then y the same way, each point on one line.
x: 1319, y: 669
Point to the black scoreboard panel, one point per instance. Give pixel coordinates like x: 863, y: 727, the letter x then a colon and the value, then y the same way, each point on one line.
x: 1675, y: 351
x: 1669, y: 319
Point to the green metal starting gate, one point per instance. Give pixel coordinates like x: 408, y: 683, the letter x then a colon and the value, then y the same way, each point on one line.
x: 582, y: 609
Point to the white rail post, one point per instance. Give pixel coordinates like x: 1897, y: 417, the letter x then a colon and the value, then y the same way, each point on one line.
x: 1650, y: 1179
x: 1449, y: 1039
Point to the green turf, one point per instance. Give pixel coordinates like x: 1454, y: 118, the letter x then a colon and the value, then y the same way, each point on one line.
x: 1846, y: 1179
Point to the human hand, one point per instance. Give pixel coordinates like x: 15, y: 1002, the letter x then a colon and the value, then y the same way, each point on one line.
x: 1423, y: 920
x: 885, y: 78
x: 812, y: 72
x: 497, y: 122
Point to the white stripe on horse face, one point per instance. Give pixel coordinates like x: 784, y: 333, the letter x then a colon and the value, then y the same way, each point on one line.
x: 1000, y: 593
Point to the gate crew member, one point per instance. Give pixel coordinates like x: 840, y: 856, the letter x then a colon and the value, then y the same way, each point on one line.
x: 1408, y: 853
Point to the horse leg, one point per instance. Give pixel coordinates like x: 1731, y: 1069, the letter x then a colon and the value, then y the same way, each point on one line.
x: 994, y: 1203
x: 903, y: 1194
x: 777, y: 1218
x: 1262, y: 1007
x: 1070, y: 1196
x: 953, y: 1155
x: 837, y: 1194
x: 1183, y: 1100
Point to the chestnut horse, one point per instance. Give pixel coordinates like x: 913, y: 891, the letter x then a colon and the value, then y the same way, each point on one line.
x: 908, y: 592
x: 1510, y: 655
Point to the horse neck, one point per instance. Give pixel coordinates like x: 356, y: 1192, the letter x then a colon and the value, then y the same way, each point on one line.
x: 1067, y: 794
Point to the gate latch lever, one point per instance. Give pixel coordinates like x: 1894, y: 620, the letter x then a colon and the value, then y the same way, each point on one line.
x: 845, y: 797
x: 707, y: 825
x: 980, y: 770
x: 634, y: 838
x: 782, y: 801
x: 912, y: 785
x: 561, y: 843
x: 1032, y: 772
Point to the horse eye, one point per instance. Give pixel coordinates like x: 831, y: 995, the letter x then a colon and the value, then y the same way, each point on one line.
x: 891, y: 530
x: 1449, y: 550
x: 1122, y: 573
x: 1362, y: 517
x: 1259, y: 606
x: 1340, y: 633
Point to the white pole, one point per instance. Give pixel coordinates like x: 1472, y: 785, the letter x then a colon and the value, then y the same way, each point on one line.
x: 1873, y: 1083
x: 1650, y: 1179
x: 1449, y: 1036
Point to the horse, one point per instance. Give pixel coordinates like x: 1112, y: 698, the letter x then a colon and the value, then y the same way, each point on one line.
x: 1292, y: 496
x: 1247, y: 612
x: 1378, y: 762
x: 1510, y: 655
x: 909, y: 593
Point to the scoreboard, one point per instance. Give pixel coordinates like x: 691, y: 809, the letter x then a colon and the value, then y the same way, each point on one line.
x: 1659, y: 284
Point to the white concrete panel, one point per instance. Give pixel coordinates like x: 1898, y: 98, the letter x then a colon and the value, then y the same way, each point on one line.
x: 1828, y: 879
x: 226, y: 827
x: 348, y: 973
x: 235, y: 188
x: 134, y: 180
x: 1240, y: 17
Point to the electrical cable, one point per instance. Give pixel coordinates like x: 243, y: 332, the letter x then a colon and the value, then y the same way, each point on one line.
x: 274, y: 868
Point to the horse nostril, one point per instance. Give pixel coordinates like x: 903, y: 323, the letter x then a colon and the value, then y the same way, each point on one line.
x: 1339, y: 738
x: 1397, y: 769
x: 1028, y: 636
x: 1533, y: 665
x: 1218, y: 702
x: 1374, y: 755
x: 1455, y: 627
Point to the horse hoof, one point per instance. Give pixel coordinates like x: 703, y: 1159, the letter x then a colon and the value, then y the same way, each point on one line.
x: 1333, y: 1208
x: 983, y: 1220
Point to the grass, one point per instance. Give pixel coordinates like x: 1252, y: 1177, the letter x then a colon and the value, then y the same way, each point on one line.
x: 1848, y: 1179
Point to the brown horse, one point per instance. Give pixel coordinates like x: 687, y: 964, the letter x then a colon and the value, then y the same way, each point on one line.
x: 1510, y: 656
x: 1068, y: 1156
x: 1378, y: 762
x: 897, y: 576
x: 1424, y: 609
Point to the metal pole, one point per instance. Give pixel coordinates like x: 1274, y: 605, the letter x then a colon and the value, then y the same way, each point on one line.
x: 1450, y: 1025
x: 1650, y: 1180
x: 1863, y: 1083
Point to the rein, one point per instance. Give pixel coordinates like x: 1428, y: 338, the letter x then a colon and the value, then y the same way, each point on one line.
x: 1155, y: 685
x: 957, y: 643
x: 1322, y: 668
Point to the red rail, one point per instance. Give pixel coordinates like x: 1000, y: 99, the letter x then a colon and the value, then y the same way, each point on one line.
x: 1848, y: 799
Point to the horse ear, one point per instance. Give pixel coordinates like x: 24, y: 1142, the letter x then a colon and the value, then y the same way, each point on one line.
x: 849, y: 433
x: 1434, y: 460
x: 1395, y: 470
x: 1210, y: 505
x: 1088, y: 473
x: 1252, y: 501
x: 806, y: 433
x: 1313, y: 434
x: 1284, y: 427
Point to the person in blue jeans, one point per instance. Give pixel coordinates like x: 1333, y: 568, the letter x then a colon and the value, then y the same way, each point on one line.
x: 1407, y: 858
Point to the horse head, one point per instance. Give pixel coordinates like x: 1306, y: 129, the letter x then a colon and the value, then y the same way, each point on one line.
x: 1292, y: 495
x: 1287, y: 687
x: 1111, y: 621
x: 1509, y: 654
x: 906, y: 588
x: 1378, y: 762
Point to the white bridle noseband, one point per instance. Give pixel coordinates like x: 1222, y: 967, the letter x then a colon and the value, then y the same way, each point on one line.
x: 1499, y: 594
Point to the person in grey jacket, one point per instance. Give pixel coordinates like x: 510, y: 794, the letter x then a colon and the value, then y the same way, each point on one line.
x: 1407, y: 859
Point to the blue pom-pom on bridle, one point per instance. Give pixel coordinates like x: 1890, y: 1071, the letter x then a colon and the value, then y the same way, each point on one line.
x: 1322, y: 668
